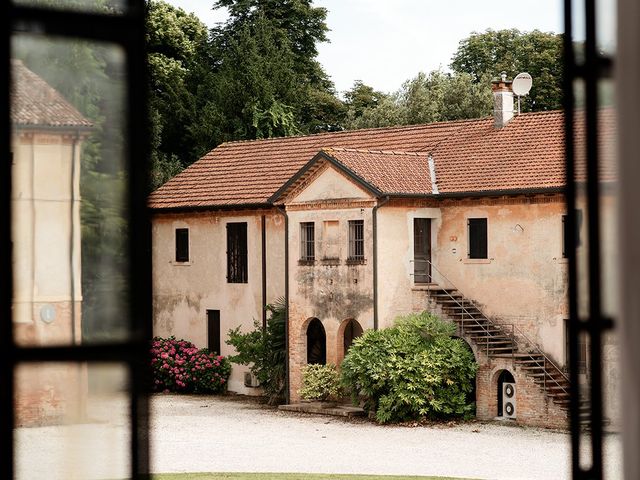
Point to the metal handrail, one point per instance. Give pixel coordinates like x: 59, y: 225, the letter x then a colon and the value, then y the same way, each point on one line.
x: 514, y: 329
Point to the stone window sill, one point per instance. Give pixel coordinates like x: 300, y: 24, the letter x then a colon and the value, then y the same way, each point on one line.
x: 477, y: 261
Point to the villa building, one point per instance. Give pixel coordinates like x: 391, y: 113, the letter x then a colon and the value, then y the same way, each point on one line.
x: 354, y: 228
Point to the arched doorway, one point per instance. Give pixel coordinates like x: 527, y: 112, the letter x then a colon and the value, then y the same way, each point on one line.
x: 316, y: 342
x: 471, y: 395
x: 505, y: 377
x: 352, y: 331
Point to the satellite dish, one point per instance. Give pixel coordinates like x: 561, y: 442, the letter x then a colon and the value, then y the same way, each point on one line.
x: 522, y: 84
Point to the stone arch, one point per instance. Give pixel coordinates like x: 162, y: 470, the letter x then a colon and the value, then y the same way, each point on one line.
x: 316, y: 341
x: 471, y: 396
x: 348, y: 331
x: 499, y: 378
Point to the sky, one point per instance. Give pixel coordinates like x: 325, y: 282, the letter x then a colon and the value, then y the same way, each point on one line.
x: 385, y: 42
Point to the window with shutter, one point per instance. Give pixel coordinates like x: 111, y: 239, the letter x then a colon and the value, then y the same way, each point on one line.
x: 237, y: 269
x: 477, y: 237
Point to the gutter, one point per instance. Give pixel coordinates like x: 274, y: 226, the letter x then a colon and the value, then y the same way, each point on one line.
x: 375, y: 260
x: 263, y: 229
x: 287, y: 389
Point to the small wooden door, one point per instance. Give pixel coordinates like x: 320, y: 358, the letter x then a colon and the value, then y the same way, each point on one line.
x: 422, y: 250
x: 213, y: 331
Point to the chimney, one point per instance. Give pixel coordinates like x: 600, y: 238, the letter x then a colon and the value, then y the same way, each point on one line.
x: 502, y: 101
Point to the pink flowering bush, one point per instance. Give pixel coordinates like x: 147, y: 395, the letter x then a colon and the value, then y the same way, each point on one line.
x: 179, y: 366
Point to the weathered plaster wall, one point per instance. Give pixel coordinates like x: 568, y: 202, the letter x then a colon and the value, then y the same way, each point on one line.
x: 46, y: 264
x: 183, y: 292
x: 524, y: 280
x: 330, y: 289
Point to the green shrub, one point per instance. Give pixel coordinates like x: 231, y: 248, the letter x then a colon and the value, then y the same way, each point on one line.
x: 411, y: 370
x: 319, y: 382
x: 265, y: 351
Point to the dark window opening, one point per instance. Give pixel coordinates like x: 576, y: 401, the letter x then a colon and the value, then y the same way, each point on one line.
x: 422, y: 250
x: 237, y: 271
x: 352, y: 331
x: 581, y: 364
x: 182, y: 244
x: 565, y: 232
x: 356, y: 240
x: 307, y: 242
x: 213, y: 331
x: 477, y: 237
x: 316, y: 343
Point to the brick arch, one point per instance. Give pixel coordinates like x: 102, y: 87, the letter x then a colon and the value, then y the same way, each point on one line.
x: 472, y: 396
x: 340, y: 340
x: 314, y: 341
x: 500, y: 375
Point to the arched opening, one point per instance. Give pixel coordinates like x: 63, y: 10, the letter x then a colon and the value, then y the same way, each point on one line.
x: 316, y: 342
x: 504, y: 377
x: 352, y: 331
x: 471, y: 396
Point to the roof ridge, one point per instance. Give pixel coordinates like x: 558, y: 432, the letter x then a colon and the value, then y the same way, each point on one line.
x: 375, y: 152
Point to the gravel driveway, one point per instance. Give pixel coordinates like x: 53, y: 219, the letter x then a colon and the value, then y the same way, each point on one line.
x: 198, y: 434
x: 214, y: 434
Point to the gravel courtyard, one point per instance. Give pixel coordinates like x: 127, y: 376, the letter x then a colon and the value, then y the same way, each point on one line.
x: 219, y: 434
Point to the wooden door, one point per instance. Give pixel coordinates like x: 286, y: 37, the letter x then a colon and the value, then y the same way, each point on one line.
x: 422, y: 250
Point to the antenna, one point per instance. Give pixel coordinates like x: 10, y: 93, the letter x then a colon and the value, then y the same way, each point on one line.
x: 521, y: 85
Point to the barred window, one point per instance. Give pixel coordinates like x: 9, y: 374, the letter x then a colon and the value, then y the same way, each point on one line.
x: 356, y: 240
x: 237, y: 253
x: 307, y: 242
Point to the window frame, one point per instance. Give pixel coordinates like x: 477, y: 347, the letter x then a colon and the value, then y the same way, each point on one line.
x: 183, y: 255
x: 356, y: 247
x: 307, y: 245
x: 126, y: 29
x: 237, y: 252
x: 472, y: 225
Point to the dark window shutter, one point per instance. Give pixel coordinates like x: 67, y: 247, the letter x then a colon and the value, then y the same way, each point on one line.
x: 477, y: 237
x: 182, y: 244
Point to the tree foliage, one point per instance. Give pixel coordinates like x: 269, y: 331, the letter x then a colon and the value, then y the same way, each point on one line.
x: 489, y: 53
x: 411, y: 370
x: 265, y: 351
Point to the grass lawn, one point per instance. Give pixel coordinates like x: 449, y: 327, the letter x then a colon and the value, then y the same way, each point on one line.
x: 286, y: 476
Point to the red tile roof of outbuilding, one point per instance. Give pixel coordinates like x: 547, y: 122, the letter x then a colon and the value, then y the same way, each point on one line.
x: 36, y: 103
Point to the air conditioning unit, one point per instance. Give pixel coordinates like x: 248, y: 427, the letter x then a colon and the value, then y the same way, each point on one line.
x: 250, y: 380
x: 509, y: 400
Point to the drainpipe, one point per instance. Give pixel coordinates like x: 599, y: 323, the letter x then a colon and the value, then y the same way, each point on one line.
x: 264, y: 272
x: 375, y: 260
x: 283, y: 212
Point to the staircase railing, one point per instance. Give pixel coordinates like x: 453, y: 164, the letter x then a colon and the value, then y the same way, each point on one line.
x: 514, y: 331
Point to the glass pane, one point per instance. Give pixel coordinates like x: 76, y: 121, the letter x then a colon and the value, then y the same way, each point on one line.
x: 606, y: 12
x: 72, y: 422
x: 69, y: 191
x: 579, y: 31
x: 101, y: 6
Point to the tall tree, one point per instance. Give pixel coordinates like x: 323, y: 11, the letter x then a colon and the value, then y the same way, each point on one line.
x: 435, y: 97
x: 538, y: 53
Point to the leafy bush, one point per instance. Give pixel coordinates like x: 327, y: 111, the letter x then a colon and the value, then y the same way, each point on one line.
x: 319, y: 382
x: 265, y: 351
x: 411, y: 370
x: 178, y: 366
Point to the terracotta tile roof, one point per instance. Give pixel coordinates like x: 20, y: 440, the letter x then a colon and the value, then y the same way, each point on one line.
x: 470, y: 156
x: 391, y: 172
x: 249, y: 172
x: 35, y: 102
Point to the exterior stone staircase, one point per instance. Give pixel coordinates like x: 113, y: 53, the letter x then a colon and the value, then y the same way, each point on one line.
x: 503, y: 341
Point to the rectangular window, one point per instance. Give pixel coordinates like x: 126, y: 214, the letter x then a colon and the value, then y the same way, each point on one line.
x: 213, y: 331
x: 307, y: 241
x: 182, y: 244
x: 356, y: 240
x: 237, y: 252
x: 582, y: 349
x: 565, y: 232
x: 477, y: 237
